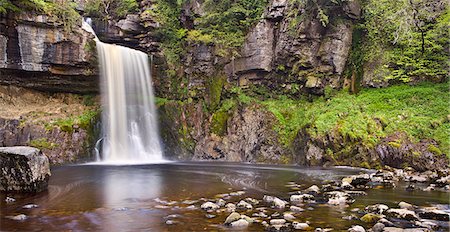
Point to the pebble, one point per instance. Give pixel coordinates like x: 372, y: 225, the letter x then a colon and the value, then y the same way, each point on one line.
x: 357, y: 229
x: 9, y: 200
x: 30, y: 206
x: 210, y: 216
x: 170, y: 222
x: 302, y: 198
x: 19, y: 217
x: 238, y: 193
x: 221, y: 202
x: 300, y: 226
x: 296, y: 209
x: 241, y: 223
x: 404, y: 205
x: 289, y: 216
x: 378, y: 227
x: 189, y: 202
x: 244, y: 205
x: 232, y: 217
x: 277, y: 222
x: 230, y: 207
x: 209, y: 206
x: 313, y: 189
x: 278, y: 203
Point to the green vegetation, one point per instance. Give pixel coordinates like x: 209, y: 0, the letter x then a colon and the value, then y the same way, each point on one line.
x: 419, y: 111
x: 59, y: 11
x: 42, y: 143
x: 108, y: 9
x: 223, y: 24
x: 221, y: 116
x: 408, y: 39
x: 84, y: 121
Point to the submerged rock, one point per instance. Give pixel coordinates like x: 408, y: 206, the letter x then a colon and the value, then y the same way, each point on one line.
x: 338, y: 198
x: 9, y: 200
x: 24, y: 169
x: 434, y: 214
x: 370, y: 218
x: 30, y: 206
x: 19, y: 217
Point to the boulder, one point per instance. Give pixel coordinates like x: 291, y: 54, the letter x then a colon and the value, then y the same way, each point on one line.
x: 402, y: 214
x: 24, y: 169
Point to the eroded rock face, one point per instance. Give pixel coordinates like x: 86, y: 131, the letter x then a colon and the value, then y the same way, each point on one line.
x: 314, y: 54
x: 249, y: 138
x: 24, y: 169
x: 36, y: 52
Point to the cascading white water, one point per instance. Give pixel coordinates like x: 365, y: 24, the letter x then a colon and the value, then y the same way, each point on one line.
x: 129, y: 117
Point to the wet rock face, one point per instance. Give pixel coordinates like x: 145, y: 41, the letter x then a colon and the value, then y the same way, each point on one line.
x: 249, y: 138
x: 24, y: 169
x: 35, y: 52
x: 63, y: 146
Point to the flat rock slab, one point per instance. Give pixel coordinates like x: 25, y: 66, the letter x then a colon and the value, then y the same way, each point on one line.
x: 23, y: 169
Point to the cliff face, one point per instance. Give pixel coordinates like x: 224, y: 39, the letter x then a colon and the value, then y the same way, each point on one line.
x: 37, y: 53
x: 310, y: 54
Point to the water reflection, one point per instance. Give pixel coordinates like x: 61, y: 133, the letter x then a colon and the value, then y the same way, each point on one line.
x: 122, y: 198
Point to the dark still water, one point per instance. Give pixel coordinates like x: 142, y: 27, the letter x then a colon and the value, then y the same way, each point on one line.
x: 167, y: 197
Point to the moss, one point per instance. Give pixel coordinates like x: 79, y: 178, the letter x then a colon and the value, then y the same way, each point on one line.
x: 215, y: 86
x: 364, y: 164
x: 220, y: 118
x: 42, y: 143
x: 84, y: 121
x: 219, y: 123
x: 395, y: 144
x: 433, y: 149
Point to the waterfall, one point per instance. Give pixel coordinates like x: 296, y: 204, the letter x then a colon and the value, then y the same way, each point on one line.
x: 130, y: 129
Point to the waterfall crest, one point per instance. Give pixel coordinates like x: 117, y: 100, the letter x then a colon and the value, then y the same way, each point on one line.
x: 130, y: 128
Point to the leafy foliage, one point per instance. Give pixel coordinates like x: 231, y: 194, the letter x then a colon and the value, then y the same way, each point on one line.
x: 111, y: 8
x: 58, y: 10
x: 410, y: 36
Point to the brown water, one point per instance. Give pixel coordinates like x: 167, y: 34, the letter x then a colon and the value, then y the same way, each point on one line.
x: 137, y: 198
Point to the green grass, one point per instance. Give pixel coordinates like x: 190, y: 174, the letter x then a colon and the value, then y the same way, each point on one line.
x: 42, y: 143
x: 84, y: 121
x: 419, y: 111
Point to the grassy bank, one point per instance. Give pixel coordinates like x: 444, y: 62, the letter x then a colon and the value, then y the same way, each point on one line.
x: 421, y: 111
